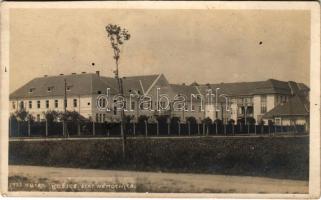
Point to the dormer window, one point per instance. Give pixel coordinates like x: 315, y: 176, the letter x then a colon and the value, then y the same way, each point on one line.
x: 68, y: 88
x: 49, y: 89
x: 31, y: 90
x: 98, y: 92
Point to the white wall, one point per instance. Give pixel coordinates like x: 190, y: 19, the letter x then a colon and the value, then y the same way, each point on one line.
x: 270, y: 102
x: 257, y: 107
x: 82, y: 105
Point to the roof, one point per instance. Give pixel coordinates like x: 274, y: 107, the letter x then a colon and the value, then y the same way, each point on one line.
x: 270, y: 86
x: 296, y: 106
x: 81, y: 84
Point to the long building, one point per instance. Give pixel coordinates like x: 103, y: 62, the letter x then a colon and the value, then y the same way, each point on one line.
x: 85, y: 93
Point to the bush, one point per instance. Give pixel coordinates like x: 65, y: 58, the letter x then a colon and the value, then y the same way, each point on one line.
x: 231, y: 122
x: 249, y: 120
x: 218, y: 122
x: 162, y: 119
x: 191, y: 120
x: 207, y: 121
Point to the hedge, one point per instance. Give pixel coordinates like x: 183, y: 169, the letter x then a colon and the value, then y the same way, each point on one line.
x: 278, y: 157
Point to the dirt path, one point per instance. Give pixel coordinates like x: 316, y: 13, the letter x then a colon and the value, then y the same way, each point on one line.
x: 160, y: 182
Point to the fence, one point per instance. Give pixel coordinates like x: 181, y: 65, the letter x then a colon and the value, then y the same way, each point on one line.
x: 83, y: 129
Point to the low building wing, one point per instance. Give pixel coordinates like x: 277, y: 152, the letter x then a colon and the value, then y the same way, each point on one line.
x: 296, y: 106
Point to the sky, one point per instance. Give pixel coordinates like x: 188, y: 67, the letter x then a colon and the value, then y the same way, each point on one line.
x: 206, y: 46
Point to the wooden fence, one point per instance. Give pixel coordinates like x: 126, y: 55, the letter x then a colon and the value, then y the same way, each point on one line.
x: 85, y: 129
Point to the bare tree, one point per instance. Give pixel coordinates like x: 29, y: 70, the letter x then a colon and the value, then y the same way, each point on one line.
x: 117, y: 37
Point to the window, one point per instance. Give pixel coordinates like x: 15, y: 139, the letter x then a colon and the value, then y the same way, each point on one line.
x: 247, y: 100
x: 49, y: 89
x: 75, y: 102
x: 88, y: 103
x: 104, y: 117
x: 193, y: 107
x: 38, y: 104
x: 30, y: 104
x: 96, y: 117
x: 68, y: 88
x: 278, y: 121
x: 31, y: 90
x: 13, y: 105
x: 38, y: 117
x: 132, y: 105
x: 47, y: 103
x: 56, y: 103
x: 263, y: 104
x: 65, y: 103
x: 162, y: 104
x: 102, y: 102
x: 21, y: 105
x: 98, y: 92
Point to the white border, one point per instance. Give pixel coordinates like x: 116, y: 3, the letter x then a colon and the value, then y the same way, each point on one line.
x: 314, y: 7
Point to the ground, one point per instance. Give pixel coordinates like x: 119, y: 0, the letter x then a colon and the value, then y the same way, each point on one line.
x: 22, y: 177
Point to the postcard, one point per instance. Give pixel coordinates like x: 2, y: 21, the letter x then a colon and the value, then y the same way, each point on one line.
x: 160, y: 99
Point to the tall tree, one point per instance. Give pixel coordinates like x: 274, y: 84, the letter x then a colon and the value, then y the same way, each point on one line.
x: 117, y: 36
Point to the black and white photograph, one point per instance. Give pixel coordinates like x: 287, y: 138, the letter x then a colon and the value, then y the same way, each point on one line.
x: 172, y: 99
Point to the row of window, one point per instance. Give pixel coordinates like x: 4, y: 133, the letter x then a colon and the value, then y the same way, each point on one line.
x: 102, y: 103
x: 47, y: 104
x: 49, y: 89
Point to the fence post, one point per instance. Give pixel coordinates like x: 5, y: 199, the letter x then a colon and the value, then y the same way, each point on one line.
x: 254, y: 128
x: 198, y: 129
x: 179, y: 128
x: 269, y: 130
x: 262, y: 129
x: 18, y: 124
x: 233, y: 129
x: 248, y: 128
x: 203, y: 129
x: 207, y: 130
x: 46, y: 128
x: 189, y: 127
x: 216, y: 131
x: 29, y: 132
x: 94, y: 131
x: 224, y: 129
x: 168, y: 128
x: 146, y: 131
x: 63, y: 129
x: 157, y: 128
x: 78, y: 127
x: 134, y: 127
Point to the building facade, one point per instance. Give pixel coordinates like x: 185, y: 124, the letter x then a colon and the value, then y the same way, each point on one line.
x: 87, y: 94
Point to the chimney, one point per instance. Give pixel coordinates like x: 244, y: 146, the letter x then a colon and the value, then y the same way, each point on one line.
x: 97, y: 72
x: 83, y: 72
x: 61, y: 74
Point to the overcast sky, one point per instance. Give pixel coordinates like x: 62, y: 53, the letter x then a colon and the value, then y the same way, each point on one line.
x: 206, y: 46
